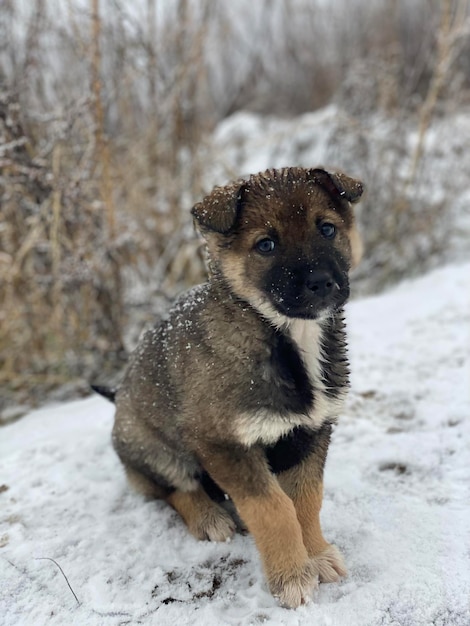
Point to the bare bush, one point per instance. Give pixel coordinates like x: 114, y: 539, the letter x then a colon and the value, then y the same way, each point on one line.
x: 60, y: 305
x: 106, y: 118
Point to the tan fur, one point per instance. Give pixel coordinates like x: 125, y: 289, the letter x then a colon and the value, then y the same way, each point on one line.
x: 204, y: 518
x: 357, y: 247
x: 274, y: 525
x: 304, y: 485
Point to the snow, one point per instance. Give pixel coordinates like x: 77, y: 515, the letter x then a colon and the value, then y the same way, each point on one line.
x: 252, y: 143
x: 397, y: 489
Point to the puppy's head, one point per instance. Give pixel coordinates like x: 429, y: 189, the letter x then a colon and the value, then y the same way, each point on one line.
x: 284, y: 240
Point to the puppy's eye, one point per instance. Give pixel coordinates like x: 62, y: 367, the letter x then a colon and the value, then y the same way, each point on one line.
x: 328, y: 230
x: 265, y: 246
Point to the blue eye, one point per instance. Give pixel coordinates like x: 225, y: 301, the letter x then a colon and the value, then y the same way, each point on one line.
x: 265, y: 246
x: 328, y: 230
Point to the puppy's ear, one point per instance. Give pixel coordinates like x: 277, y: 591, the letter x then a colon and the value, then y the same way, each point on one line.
x: 219, y: 210
x: 338, y: 184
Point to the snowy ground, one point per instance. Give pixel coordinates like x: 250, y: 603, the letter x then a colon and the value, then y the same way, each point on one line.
x: 396, y: 501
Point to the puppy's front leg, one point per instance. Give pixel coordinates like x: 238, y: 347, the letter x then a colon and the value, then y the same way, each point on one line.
x: 304, y: 485
x: 270, y: 517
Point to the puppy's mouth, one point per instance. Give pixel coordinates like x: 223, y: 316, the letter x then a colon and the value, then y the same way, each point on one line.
x: 306, y: 310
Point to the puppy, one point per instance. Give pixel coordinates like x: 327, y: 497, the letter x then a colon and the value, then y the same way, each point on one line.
x: 236, y: 390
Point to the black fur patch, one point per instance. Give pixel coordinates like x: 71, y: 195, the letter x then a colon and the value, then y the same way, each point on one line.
x: 296, y: 446
x: 292, y: 391
x: 211, y: 487
x: 287, y: 282
x: 335, y: 368
x: 281, y: 384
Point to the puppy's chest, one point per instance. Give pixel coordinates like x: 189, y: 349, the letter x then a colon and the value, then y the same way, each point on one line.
x: 307, y: 338
x: 298, y: 391
x: 307, y: 370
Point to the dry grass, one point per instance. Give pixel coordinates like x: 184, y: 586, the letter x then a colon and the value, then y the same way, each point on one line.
x: 105, y: 122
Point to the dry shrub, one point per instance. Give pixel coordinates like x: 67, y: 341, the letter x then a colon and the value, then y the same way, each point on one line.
x: 60, y: 279
x: 93, y: 188
x: 106, y: 117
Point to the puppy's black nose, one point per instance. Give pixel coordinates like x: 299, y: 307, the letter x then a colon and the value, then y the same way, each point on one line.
x: 320, y: 282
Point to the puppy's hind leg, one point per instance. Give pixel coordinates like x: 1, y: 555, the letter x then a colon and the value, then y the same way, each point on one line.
x: 204, y: 518
x: 144, y: 485
x: 157, y: 470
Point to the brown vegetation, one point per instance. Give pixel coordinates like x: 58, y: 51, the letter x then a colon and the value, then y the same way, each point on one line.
x: 105, y: 122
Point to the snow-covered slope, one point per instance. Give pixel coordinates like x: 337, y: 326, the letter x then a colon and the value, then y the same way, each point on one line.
x: 396, y: 499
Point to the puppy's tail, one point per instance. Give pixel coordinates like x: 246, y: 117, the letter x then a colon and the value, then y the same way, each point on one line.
x: 106, y: 392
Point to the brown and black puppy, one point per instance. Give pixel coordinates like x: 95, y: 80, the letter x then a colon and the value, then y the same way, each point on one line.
x: 236, y: 390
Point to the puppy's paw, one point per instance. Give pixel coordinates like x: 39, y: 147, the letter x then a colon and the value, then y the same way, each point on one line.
x: 295, y: 587
x: 213, y: 524
x: 330, y: 565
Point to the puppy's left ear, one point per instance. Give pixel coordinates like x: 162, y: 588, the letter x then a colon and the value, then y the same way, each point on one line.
x: 219, y: 210
x: 338, y: 184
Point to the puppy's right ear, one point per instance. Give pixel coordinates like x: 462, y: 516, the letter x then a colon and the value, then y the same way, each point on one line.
x: 219, y: 210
